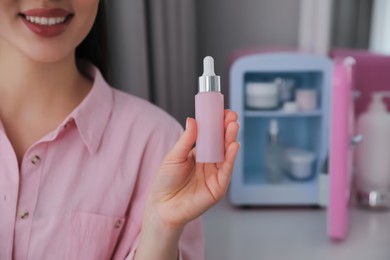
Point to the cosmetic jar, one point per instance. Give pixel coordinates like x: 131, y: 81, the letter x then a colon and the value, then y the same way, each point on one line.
x: 306, y: 99
x: 262, y: 95
x: 290, y: 107
x: 301, y: 163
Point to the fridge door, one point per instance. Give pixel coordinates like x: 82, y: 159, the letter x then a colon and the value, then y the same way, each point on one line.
x: 340, y: 163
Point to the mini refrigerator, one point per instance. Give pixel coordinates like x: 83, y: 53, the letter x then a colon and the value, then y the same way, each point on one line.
x: 303, y: 130
x: 325, y: 131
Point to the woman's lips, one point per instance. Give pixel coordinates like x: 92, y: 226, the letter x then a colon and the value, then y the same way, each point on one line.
x: 47, y: 22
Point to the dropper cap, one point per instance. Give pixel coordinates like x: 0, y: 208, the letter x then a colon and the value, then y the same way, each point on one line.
x: 209, y: 82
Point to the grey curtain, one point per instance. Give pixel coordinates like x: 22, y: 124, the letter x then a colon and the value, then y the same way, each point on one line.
x: 351, y: 23
x: 153, y: 49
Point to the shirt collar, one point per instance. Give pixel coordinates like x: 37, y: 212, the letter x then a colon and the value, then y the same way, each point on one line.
x: 92, y: 114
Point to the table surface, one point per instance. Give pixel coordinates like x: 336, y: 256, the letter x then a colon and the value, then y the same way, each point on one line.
x: 294, y: 234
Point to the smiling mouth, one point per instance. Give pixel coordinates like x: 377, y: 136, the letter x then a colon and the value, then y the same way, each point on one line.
x: 46, y: 21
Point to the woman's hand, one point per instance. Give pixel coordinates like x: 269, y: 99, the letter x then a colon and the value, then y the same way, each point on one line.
x: 183, y: 189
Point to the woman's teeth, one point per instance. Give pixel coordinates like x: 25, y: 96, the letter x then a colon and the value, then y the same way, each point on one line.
x: 48, y: 21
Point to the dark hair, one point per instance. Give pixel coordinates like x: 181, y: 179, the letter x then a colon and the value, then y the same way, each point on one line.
x: 94, y: 47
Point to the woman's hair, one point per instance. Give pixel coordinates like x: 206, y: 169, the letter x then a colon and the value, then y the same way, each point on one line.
x: 94, y: 47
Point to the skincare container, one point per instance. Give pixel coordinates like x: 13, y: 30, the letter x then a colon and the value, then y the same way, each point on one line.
x: 209, y: 114
x: 373, y: 164
x: 306, y: 99
x: 290, y: 107
x: 261, y: 95
x: 301, y: 163
x: 275, y: 155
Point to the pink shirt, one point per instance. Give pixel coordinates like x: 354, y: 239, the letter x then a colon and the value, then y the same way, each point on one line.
x: 81, y: 189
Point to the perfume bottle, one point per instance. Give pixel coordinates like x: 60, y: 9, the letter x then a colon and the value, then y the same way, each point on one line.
x: 275, y: 155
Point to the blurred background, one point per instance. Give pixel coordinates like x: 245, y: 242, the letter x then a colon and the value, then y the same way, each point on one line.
x: 157, y: 48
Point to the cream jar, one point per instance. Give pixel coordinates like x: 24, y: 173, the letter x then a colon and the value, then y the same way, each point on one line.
x: 261, y: 95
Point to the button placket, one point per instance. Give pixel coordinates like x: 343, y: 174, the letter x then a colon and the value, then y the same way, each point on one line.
x: 30, y: 176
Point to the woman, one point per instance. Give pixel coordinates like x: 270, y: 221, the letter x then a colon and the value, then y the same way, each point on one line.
x: 87, y: 171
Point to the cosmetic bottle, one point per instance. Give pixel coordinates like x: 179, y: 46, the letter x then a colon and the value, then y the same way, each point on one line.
x: 275, y: 155
x: 373, y: 164
x: 209, y: 115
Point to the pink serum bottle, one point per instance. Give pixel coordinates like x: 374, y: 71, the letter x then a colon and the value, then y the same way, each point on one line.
x: 209, y: 114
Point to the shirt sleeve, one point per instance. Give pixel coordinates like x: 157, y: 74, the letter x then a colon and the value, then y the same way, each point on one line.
x: 191, y: 244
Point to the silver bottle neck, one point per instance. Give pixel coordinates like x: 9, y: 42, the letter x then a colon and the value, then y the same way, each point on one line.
x: 209, y: 84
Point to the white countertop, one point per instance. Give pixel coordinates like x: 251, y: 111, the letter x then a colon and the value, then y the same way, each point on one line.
x: 293, y: 234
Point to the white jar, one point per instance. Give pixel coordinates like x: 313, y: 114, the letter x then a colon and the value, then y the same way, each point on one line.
x: 301, y: 163
x: 262, y: 95
x: 290, y: 107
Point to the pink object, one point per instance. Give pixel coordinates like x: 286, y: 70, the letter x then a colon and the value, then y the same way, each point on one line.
x: 372, y: 73
x: 306, y: 99
x: 209, y: 113
x: 340, y: 151
x: 81, y: 189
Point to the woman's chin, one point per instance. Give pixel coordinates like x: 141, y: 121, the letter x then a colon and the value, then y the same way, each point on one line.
x: 47, y: 55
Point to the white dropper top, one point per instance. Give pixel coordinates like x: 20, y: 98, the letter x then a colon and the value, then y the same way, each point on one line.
x: 208, y: 66
x: 209, y: 82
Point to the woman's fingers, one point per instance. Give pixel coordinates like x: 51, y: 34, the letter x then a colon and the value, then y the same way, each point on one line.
x: 230, y: 116
x: 231, y: 133
x: 225, y: 171
x: 231, y: 127
x: 184, y: 145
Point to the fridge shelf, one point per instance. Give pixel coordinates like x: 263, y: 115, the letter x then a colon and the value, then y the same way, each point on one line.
x: 257, y: 178
x: 281, y: 113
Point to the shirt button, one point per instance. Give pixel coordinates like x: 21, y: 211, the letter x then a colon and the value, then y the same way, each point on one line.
x: 118, y: 224
x: 24, y: 215
x: 35, y: 159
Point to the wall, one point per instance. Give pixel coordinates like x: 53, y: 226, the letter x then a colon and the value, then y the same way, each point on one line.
x: 227, y: 25
x: 129, y: 58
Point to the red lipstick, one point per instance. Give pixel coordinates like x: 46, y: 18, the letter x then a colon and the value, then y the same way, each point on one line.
x: 47, y: 22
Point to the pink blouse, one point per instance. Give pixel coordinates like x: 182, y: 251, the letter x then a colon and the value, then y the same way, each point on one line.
x: 81, y: 189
